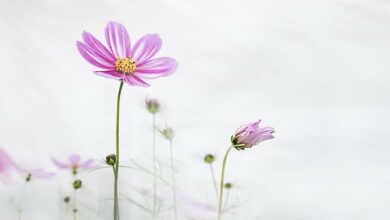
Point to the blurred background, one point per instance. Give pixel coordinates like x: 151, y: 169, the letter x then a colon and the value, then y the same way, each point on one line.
x: 317, y: 71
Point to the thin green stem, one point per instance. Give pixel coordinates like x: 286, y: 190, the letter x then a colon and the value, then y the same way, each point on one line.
x: 20, y: 210
x: 116, y: 205
x: 214, y: 181
x: 74, y: 205
x: 173, y: 179
x: 222, y: 183
x: 154, y: 168
x: 226, y: 200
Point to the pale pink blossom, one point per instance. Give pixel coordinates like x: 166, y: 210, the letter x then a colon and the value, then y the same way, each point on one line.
x: 122, y: 60
x: 250, y: 135
x: 74, y: 163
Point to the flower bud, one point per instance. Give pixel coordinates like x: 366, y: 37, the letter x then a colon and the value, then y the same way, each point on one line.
x: 28, y: 178
x: 77, y: 184
x: 111, y: 159
x: 228, y: 185
x: 168, y: 133
x: 209, y: 158
x: 250, y: 135
x: 66, y: 199
x: 152, y: 105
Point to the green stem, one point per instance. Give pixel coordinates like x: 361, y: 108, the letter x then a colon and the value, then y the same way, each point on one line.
x: 226, y: 200
x: 154, y: 168
x: 214, y: 181
x: 222, y: 183
x: 74, y: 205
x: 20, y: 210
x: 116, y: 205
x: 173, y: 180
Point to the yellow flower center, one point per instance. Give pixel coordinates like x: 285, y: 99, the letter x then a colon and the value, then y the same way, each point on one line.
x: 125, y: 65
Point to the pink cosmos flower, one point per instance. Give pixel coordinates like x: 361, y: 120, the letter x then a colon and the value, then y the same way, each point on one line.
x: 122, y: 61
x: 6, y: 166
x: 74, y: 163
x: 250, y: 135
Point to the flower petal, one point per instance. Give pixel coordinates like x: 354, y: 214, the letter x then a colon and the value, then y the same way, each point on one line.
x: 133, y: 80
x: 163, y: 66
x: 94, y: 43
x: 110, y: 74
x: 74, y: 159
x: 40, y: 173
x: 265, y: 137
x: 145, y: 48
x: 88, y: 164
x: 118, y: 39
x: 94, y: 57
x: 59, y: 164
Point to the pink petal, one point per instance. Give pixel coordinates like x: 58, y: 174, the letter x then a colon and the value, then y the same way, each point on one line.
x: 88, y: 164
x: 266, y: 137
x: 5, y: 161
x: 40, y: 173
x: 110, y: 74
x: 93, y: 57
x: 95, y: 44
x: 163, y: 66
x: 59, y: 164
x: 74, y: 159
x: 118, y: 39
x: 145, y: 48
x: 133, y: 80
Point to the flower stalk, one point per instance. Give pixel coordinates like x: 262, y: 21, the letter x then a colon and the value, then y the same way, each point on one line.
x: 210, y: 159
x: 223, y: 183
x: 154, y: 167
x: 116, y: 170
x: 173, y: 180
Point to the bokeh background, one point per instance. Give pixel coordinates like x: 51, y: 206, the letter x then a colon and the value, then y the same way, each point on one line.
x: 316, y: 70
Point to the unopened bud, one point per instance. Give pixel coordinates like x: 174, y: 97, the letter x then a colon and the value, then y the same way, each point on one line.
x: 152, y: 105
x: 209, y: 158
x: 77, y: 184
x: 66, y: 199
x: 28, y: 178
x: 228, y: 185
x: 168, y: 133
x: 111, y: 159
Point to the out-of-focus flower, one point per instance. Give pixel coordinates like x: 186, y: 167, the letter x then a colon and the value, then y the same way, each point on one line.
x: 36, y: 174
x: 228, y: 185
x: 74, y: 163
x: 77, y: 184
x: 122, y: 61
x: 152, y: 105
x: 111, y: 159
x: 168, y: 133
x: 209, y: 158
x: 250, y: 135
x: 6, y: 166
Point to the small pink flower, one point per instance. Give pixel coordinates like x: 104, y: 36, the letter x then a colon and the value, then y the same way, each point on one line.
x: 6, y: 166
x: 74, y: 163
x: 123, y: 61
x: 250, y: 135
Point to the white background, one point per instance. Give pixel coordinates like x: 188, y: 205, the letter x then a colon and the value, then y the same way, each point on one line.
x: 316, y: 70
